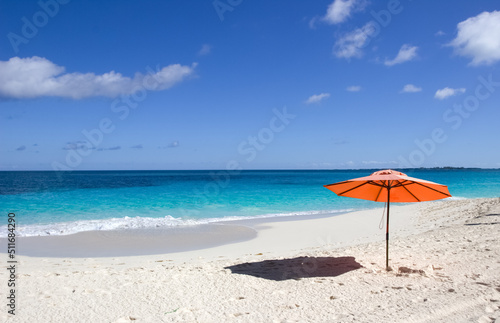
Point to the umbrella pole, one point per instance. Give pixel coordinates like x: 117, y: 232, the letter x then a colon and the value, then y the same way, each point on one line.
x: 387, y: 231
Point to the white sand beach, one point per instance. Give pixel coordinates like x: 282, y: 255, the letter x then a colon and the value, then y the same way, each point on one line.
x: 445, y: 257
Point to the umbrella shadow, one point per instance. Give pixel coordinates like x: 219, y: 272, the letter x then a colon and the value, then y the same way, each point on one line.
x: 297, y: 268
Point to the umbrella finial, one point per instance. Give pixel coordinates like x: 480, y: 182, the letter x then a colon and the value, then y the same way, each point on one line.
x: 389, y: 172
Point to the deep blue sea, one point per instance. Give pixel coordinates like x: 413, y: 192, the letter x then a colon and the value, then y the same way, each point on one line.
x: 68, y: 202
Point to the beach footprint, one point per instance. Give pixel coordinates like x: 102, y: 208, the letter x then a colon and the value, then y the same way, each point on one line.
x: 126, y: 319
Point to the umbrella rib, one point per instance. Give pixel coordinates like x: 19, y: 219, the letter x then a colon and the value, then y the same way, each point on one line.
x: 388, y: 183
x: 380, y: 191
x: 403, y: 185
x: 405, y: 182
x: 400, y: 184
x: 433, y: 189
x: 338, y: 183
x: 377, y: 184
x: 364, y: 183
x: 414, y: 182
x: 416, y: 198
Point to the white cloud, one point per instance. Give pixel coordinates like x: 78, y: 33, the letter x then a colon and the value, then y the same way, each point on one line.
x: 410, y: 88
x: 173, y: 144
x: 440, y: 33
x: 478, y: 37
x: 37, y: 77
x: 353, y: 88
x: 78, y: 145
x: 447, y: 92
x: 110, y: 148
x: 312, y: 23
x: 406, y: 53
x: 205, y: 50
x: 350, y: 44
x: 316, y: 98
x: 339, y: 10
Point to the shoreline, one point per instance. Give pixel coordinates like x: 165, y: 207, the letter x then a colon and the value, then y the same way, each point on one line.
x: 59, y: 228
x: 201, y: 240
x: 133, y: 242
x: 179, y: 223
x: 167, y: 240
x: 150, y: 241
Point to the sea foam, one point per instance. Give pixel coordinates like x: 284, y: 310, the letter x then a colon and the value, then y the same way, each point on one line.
x: 124, y: 223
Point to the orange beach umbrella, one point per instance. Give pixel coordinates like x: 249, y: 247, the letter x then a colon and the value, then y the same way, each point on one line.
x: 390, y: 186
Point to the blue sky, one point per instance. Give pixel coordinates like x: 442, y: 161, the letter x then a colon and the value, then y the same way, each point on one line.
x: 249, y: 84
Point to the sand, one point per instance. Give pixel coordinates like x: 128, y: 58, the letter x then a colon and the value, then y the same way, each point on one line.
x: 445, y: 257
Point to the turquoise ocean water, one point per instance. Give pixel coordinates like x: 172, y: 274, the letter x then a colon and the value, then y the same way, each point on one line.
x: 54, y: 203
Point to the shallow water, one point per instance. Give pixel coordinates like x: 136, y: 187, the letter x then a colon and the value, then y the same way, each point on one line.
x: 55, y: 203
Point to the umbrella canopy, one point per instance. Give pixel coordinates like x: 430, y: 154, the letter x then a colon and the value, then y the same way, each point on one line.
x: 402, y: 188
x: 390, y: 186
